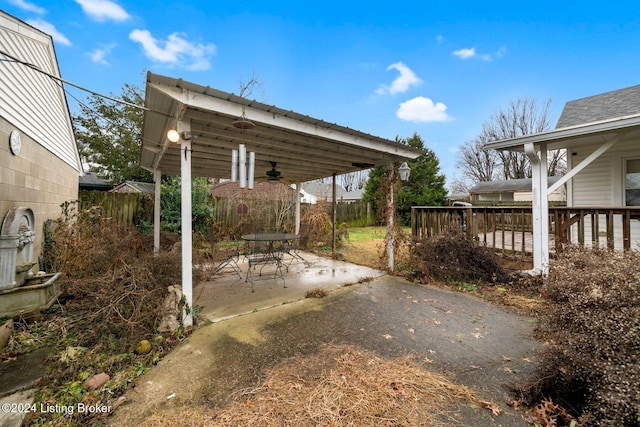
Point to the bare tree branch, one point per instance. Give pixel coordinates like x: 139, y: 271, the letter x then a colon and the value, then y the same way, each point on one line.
x: 523, y: 116
x: 253, y: 83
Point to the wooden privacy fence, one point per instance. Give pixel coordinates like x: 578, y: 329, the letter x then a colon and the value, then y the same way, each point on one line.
x: 509, y: 228
x: 356, y: 214
x: 127, y: 209
x: 232, y: 214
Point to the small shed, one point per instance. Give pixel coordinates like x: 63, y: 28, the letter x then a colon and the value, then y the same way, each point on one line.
x: 266, y: 207
x: 90, y: 181
x: 134, y: 187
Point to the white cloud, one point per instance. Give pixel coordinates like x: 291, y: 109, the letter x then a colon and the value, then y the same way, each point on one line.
x: 468, y: 53
x: 421, y: 109
x: 406, y: 79
x: 465, y: 53
x: 103, y: 10
x: 176, y: 50
x: 99, y: 54
x: 29, y: 7
x: 48, y: 28
x: 439, y: 38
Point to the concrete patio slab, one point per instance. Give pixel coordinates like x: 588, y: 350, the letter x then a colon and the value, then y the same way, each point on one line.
x: 225, y: 295
x: 474, y: 342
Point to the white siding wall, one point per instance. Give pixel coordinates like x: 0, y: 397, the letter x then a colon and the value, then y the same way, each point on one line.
x: 594, y: 185
x: 602, y: 184
x: 29, y: 100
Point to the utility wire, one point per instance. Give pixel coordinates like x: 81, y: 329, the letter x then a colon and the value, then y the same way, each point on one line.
x: 58, y: 79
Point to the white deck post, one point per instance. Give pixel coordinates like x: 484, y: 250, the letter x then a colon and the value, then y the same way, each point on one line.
x: 334, y: 216
x: 540, y: 208
x: 297, y: 227
x: 157, y: 176
x: 185, y: 216
x: 391, y: 207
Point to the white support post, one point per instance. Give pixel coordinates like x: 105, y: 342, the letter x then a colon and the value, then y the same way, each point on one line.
x: 187, y: 239
x: 391, y: 207
x: 157, y: 177
x: 540, y: 207
x: 334, y: 216
x: 297, y: 229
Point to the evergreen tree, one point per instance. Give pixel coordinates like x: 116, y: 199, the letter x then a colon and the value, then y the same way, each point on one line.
x: 426, y: 185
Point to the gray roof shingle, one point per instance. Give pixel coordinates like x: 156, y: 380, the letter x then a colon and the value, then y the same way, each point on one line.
x: 609, y: 105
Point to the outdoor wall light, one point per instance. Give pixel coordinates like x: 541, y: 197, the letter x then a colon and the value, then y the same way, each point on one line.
x: 405, y: 171
x: 174, y: 136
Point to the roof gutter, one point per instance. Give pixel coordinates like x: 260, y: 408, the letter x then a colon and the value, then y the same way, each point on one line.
x: 567, y: 133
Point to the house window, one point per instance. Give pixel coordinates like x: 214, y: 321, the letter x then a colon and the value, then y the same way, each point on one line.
x: 242, y: 209
x: 632, y: 182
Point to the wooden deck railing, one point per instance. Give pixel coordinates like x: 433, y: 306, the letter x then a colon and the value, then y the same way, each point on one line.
x: 508, y: 228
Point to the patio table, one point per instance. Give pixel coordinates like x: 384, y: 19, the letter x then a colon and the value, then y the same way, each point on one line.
x: 271, y: 253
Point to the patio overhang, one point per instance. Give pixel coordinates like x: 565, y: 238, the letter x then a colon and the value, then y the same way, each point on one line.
x: 299, y: 147
x: 303, y: 148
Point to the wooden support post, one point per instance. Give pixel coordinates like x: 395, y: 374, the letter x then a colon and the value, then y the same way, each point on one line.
x: 157, y: 177
x: 391, y: 210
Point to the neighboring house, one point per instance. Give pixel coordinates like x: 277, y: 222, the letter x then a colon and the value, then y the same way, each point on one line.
x: 512, y: 190
x: 323, y: 191
x: 601, y: 134
x: 352, y: 196
x: 134, y: 187
x: 307, y: 197
x: 39, y: 160
x: 91, y: 182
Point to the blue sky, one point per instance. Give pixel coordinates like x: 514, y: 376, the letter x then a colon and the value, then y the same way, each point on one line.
x: 436, y: 68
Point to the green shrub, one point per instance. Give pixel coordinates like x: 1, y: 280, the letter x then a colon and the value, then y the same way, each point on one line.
x: 592, y: 362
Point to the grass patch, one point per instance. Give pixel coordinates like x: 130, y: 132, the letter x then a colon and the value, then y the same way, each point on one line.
x: 362, y: 234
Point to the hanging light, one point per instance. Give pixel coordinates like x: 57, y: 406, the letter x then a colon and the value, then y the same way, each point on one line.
x: 405, y: 171
x: 242, y: 122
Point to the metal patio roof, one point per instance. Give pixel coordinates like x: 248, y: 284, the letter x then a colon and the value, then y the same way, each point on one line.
x: 303, y: 147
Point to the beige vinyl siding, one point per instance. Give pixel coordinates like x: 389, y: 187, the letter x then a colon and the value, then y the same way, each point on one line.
x: 31, y: 101
x: 35, y: 179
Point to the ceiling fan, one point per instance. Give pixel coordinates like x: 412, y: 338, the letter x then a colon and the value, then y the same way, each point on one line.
x: 273, y: 174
